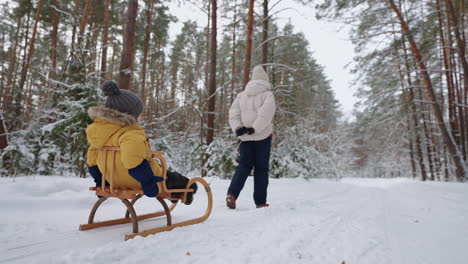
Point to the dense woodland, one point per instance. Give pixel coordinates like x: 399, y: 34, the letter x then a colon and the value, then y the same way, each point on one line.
x: 410, y: 68
x: 412, y: 65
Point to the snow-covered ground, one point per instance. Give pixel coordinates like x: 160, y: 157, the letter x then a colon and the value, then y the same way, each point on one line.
x: 374, y: 221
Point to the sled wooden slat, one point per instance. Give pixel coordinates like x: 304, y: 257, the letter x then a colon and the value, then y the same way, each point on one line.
x: 116, y: 192
x: 112, y: 171
x: 134, y: 194
x: 124, y: 220
x: 180, y: 190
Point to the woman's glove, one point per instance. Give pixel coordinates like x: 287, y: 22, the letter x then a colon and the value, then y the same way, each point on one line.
x: 249, y: 130
x: 244, y: 130
x: 241, y: 131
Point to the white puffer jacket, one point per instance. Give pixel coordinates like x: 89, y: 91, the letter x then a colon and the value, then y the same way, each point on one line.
x: 255, y: 107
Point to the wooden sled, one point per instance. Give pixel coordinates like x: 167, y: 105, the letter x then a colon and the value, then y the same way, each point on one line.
x: 129, y: 197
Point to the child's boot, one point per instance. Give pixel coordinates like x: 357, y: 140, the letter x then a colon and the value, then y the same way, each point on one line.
x: 189, y: 200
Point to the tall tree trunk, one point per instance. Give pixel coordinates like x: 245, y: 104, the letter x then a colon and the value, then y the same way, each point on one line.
x: 128, y: 51
x: 27, y: 116
x: 16, y: 94
x: 112, y: 65
x: 158, y: 74
x: 75, y: 25
x: 26, y: 38
x: 456, y: 24
x: 446, y: 168
x: 452, y: 65
x: 265, y: 34
x: 105, y: 38
x: 233, y: 66
x: 463, y: 13
x: 207, y: 59
x: 3, y: 133
x: 174, y: 74
x: 272, y: 68
x: 53, y: 52
x: 461, y: 47
x: 2, y: 62
x: 207, y: 80
x: 425, y: 131
x: 152, y: 87
x: 417, y: 129
x: 462, y: 120
x: 24, y: 70
x: 212, y: 86
x: 417, y: 133
x: 435, y: 148
x: 446, y: 49
x: 411, y: 143
x: 448, y: 139
x: 149, y: 15
x: 87, y: 41
x: 406, y: 109
x: 222, y: 99
x: 162, y: 80
x: 85, y: 16
x: 248, y: 49
x: 92, y: 45
x: 7, y: 97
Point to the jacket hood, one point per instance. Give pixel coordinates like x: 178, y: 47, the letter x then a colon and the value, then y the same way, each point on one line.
x: 112, y: 115
x: 108, y: 123
x: 259, y: 73
x: 255, y: 87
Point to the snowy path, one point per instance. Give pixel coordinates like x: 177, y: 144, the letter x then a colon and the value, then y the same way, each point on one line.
x: 362, y: 221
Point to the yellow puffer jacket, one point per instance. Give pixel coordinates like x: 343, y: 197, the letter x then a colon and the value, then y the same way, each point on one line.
x: 116, y: 129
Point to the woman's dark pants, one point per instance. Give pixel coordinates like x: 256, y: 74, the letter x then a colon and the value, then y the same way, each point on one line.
x: 253, y: 155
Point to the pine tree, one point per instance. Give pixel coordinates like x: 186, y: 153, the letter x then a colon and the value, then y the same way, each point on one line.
x: 248, y: 50
x: 128, y: 50
x: 212, y: 84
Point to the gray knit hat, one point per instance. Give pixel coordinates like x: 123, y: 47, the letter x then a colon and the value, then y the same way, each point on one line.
x: 121, y: 100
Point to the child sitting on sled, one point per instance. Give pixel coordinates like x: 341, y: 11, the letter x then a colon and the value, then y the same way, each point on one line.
x: 116, y: 125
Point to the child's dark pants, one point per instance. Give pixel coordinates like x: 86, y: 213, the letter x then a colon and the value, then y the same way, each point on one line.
x: 253, y: 154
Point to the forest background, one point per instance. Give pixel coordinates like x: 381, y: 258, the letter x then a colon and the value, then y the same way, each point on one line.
x: 410, y: 67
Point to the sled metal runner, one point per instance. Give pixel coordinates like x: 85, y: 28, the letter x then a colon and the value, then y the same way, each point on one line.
x: 130, y: 196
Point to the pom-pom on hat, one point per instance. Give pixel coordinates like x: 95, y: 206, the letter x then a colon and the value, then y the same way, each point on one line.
x: 121, y: 100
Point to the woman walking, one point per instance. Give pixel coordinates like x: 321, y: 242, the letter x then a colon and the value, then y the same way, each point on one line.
x: 251, y: 118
